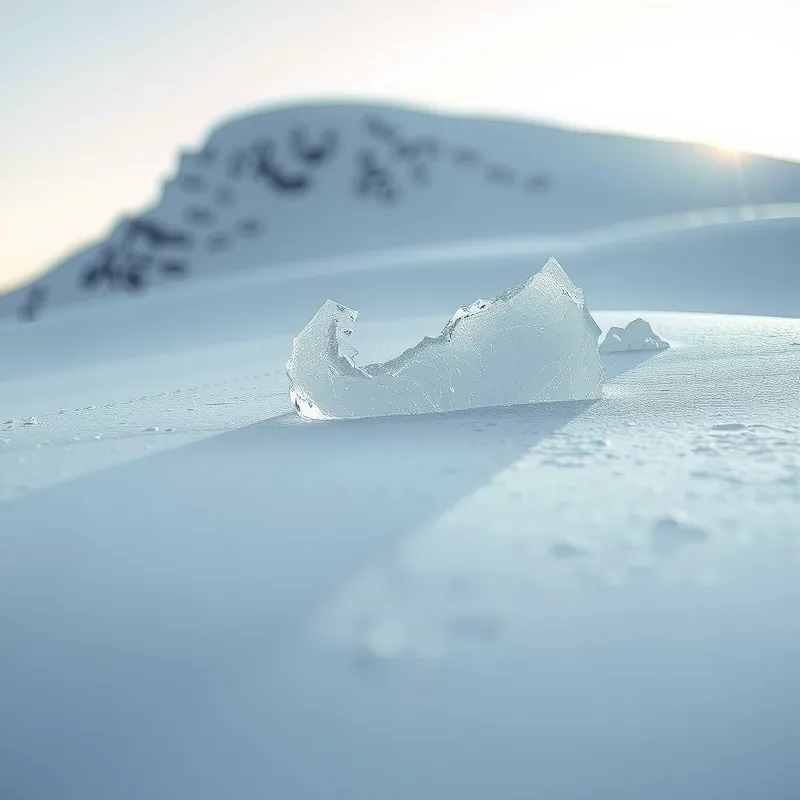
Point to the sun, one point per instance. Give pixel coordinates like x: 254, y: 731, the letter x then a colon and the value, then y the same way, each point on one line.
x: 728, y: 151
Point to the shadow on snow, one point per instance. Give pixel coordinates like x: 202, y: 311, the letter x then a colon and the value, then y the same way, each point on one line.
x: 131, y: 600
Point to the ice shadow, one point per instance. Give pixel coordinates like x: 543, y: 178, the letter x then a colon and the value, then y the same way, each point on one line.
x: 133, y: 600
x: 282, y: 510
x: 616, y: 364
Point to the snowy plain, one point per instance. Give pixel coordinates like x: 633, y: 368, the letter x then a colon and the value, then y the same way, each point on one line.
x: 202, y: 595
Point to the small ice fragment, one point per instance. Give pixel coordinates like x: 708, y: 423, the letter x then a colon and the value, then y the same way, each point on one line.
x: 30, y: 421
x: 152, y: 429
x: 536, y: 342
x: 636, y: 335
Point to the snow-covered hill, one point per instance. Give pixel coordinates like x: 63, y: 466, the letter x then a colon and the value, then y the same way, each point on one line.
x: 204, y: 596
x: 307, y: 182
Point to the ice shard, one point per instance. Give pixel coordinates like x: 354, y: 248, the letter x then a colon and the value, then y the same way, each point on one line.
x: 636, y: 336
x: 536, y: 342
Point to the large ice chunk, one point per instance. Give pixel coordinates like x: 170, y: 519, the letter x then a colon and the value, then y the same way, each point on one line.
x: 636, y: 335
x: 536, y: 342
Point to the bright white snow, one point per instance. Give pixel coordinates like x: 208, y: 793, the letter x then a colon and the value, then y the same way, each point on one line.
x: 533, y: 343
x: 203, y: 596
x: 636, y: 335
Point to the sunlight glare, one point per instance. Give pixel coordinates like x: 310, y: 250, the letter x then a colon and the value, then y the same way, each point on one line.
x: 714, y: 72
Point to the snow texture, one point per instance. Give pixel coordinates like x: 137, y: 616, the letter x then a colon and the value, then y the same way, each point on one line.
x: 251, y: 606
x: 202, y: 596
x: 636, y: 335
x: 535, y: 342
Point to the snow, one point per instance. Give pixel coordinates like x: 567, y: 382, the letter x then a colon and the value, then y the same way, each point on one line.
x: 203, y: 595
x: 292, y: 186
x: 636, y: 335
x: 519, y: 590
x: 533, y: 343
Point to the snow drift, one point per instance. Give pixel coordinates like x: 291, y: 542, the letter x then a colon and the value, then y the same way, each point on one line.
x: 536, y: 342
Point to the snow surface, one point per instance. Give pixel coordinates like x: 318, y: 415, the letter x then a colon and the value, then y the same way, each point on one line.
x: 204, y: 596
x: 533, y: 343
x: 566, y: 599
x: 636, y: 335
x: 288, y: 187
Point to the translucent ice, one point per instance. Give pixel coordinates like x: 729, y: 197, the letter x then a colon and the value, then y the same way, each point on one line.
x: 636, y: 335
x: 536, y: 342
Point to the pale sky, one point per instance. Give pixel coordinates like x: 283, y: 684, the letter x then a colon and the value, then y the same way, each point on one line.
x: 97, y: 95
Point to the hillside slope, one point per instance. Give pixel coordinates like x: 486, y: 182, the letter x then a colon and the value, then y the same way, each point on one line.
x: 320, y: 181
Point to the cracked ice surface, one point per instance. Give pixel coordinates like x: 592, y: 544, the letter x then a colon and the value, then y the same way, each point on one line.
x: 636, y: 335
x: 533, y: 343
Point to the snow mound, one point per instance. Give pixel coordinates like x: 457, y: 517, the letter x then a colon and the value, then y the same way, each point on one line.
x: 636, y: 335
x: 535, y: 342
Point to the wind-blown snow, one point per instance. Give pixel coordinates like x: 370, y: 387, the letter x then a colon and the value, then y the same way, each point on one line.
x: 636, y: 335
x: 533, y: 343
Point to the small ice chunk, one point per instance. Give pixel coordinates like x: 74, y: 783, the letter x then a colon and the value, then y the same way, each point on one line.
x: 636, y: 335
x: 536, y: 342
